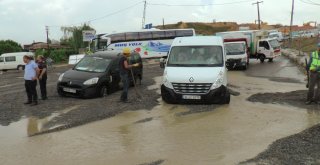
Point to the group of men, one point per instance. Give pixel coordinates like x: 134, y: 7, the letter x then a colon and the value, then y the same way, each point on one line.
x: 35, y: 71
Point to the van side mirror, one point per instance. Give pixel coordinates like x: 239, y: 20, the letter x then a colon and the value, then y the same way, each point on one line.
x: 163, y: 62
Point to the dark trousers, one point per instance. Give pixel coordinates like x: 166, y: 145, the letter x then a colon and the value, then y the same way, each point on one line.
x: 314, y: 80
x: 31, y: 90
x: 125, y: 81
x: 43, y: 87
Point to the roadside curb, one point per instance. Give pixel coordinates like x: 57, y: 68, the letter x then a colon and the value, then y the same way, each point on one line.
x: 294, y: 56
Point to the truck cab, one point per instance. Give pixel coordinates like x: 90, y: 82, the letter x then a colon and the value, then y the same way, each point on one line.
x: 268, y: 48
x: 237, y: 54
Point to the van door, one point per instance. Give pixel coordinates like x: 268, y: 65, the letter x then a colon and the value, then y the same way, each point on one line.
x: 264, y: 48
x: 10, y: 62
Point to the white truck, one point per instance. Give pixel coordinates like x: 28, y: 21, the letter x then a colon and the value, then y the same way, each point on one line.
x: 195, y: 71
x: 10, y: 61
x: 260, y: 46
x: 237, y: 51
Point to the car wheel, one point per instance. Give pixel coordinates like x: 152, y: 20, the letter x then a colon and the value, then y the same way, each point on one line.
x: 270, y: 59
x: 103, y: 91
x: 61, y: 94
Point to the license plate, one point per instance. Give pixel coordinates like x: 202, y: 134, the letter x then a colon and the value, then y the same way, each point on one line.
x: 191, y: 97
x: 69, y: 90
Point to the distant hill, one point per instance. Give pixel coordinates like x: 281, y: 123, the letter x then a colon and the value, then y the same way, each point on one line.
x: 212, y: 28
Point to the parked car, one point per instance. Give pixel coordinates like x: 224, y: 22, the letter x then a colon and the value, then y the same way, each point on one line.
x: 94, y: 75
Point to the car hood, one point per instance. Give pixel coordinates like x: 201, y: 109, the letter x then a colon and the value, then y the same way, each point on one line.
x: 192, y: 74
x: 79, y: 75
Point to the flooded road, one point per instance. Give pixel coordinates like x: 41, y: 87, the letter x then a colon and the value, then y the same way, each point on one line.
x: 171, y: 134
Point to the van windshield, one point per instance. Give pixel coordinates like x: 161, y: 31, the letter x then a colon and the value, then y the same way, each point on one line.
x: 93, y: 64
x: 186, y: 56
x: 235, y: 48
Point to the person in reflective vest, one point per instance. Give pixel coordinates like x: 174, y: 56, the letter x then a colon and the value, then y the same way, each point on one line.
x: 314, y: 77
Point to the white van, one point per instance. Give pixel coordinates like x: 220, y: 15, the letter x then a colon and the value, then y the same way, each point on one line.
x: 195, y: 71
x: 10, y: 61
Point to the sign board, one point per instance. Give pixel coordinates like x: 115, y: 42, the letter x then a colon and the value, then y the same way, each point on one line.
x: 74, y: 59
x: 88, y: 35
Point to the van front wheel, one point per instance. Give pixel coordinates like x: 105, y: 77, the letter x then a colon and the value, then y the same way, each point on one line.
x: 226, y: 98
x: 262, y: 58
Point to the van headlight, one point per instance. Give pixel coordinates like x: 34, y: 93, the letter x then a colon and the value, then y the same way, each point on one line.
x: 244, y: 59
x: 165, y: 81
x: 219, y: 81
x: 60, y: 77
x: 91, y: 81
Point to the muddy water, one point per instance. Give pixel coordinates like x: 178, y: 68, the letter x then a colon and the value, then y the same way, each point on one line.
x: 227, y: 134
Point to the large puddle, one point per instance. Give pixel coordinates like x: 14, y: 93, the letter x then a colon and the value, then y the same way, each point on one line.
x: 214, y: 134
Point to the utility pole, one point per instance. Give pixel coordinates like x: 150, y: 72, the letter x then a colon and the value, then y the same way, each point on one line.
x: 291, y: 22
x: 259, y: 22
x: 144, y: 14
x: 163, y: 23
x: 47, y: 32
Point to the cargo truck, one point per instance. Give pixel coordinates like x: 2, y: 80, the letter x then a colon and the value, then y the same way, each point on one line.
x: 260, y: 46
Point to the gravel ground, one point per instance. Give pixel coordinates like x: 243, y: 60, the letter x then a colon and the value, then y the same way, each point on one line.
x: 293, y: 98
x: 301, y: 148
x: 67, y: 112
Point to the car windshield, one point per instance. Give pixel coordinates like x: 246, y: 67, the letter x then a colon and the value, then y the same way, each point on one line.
x: 195, y: 56
x: 274, y: 43
x: 93, y: 64
x: 235, y: 48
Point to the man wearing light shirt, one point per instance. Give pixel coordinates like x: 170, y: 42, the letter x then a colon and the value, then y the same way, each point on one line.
x: 31, y: 73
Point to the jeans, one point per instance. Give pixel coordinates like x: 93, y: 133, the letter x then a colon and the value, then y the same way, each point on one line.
x: 43, y: 87
x: 31, y: 90
x: 125, y: 81
x: 314, y: 80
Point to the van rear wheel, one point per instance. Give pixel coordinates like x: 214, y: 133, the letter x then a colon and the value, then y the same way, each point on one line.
x: 20, y: 67
x: 270, y: 59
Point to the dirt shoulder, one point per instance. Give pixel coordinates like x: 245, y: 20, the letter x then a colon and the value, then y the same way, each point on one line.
x: 58, y: 113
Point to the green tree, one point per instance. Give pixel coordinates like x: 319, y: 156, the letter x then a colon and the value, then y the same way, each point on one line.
x: 73, y: 36
x: 8, y: 46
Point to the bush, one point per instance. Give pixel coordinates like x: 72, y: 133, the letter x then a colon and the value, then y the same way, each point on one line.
x: 57, y: 55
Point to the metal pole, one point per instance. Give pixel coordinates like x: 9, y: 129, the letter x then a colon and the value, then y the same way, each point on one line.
x: 258, y: 8
x: 47, y: 32
x: 163, y: 23
x: 291, y: 22
x: 144, y: 14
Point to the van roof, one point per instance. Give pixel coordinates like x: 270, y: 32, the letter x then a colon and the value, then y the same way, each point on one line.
x: 198, y: 40
x: 16, y: 54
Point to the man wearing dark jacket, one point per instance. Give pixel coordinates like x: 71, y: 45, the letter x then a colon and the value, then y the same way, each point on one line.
x: 124, y: 73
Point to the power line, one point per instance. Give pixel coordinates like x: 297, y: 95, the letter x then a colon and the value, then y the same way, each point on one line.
x: 102, y: 17
x: 192, y: 5
x: 310, y: 2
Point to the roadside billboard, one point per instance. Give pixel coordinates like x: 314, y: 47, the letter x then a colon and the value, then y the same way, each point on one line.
x: 88, y: 35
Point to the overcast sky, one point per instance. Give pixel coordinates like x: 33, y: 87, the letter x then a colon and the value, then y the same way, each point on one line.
x: 24, y: 21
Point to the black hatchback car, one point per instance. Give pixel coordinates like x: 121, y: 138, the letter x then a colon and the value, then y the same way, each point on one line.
x: 94, y: 75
